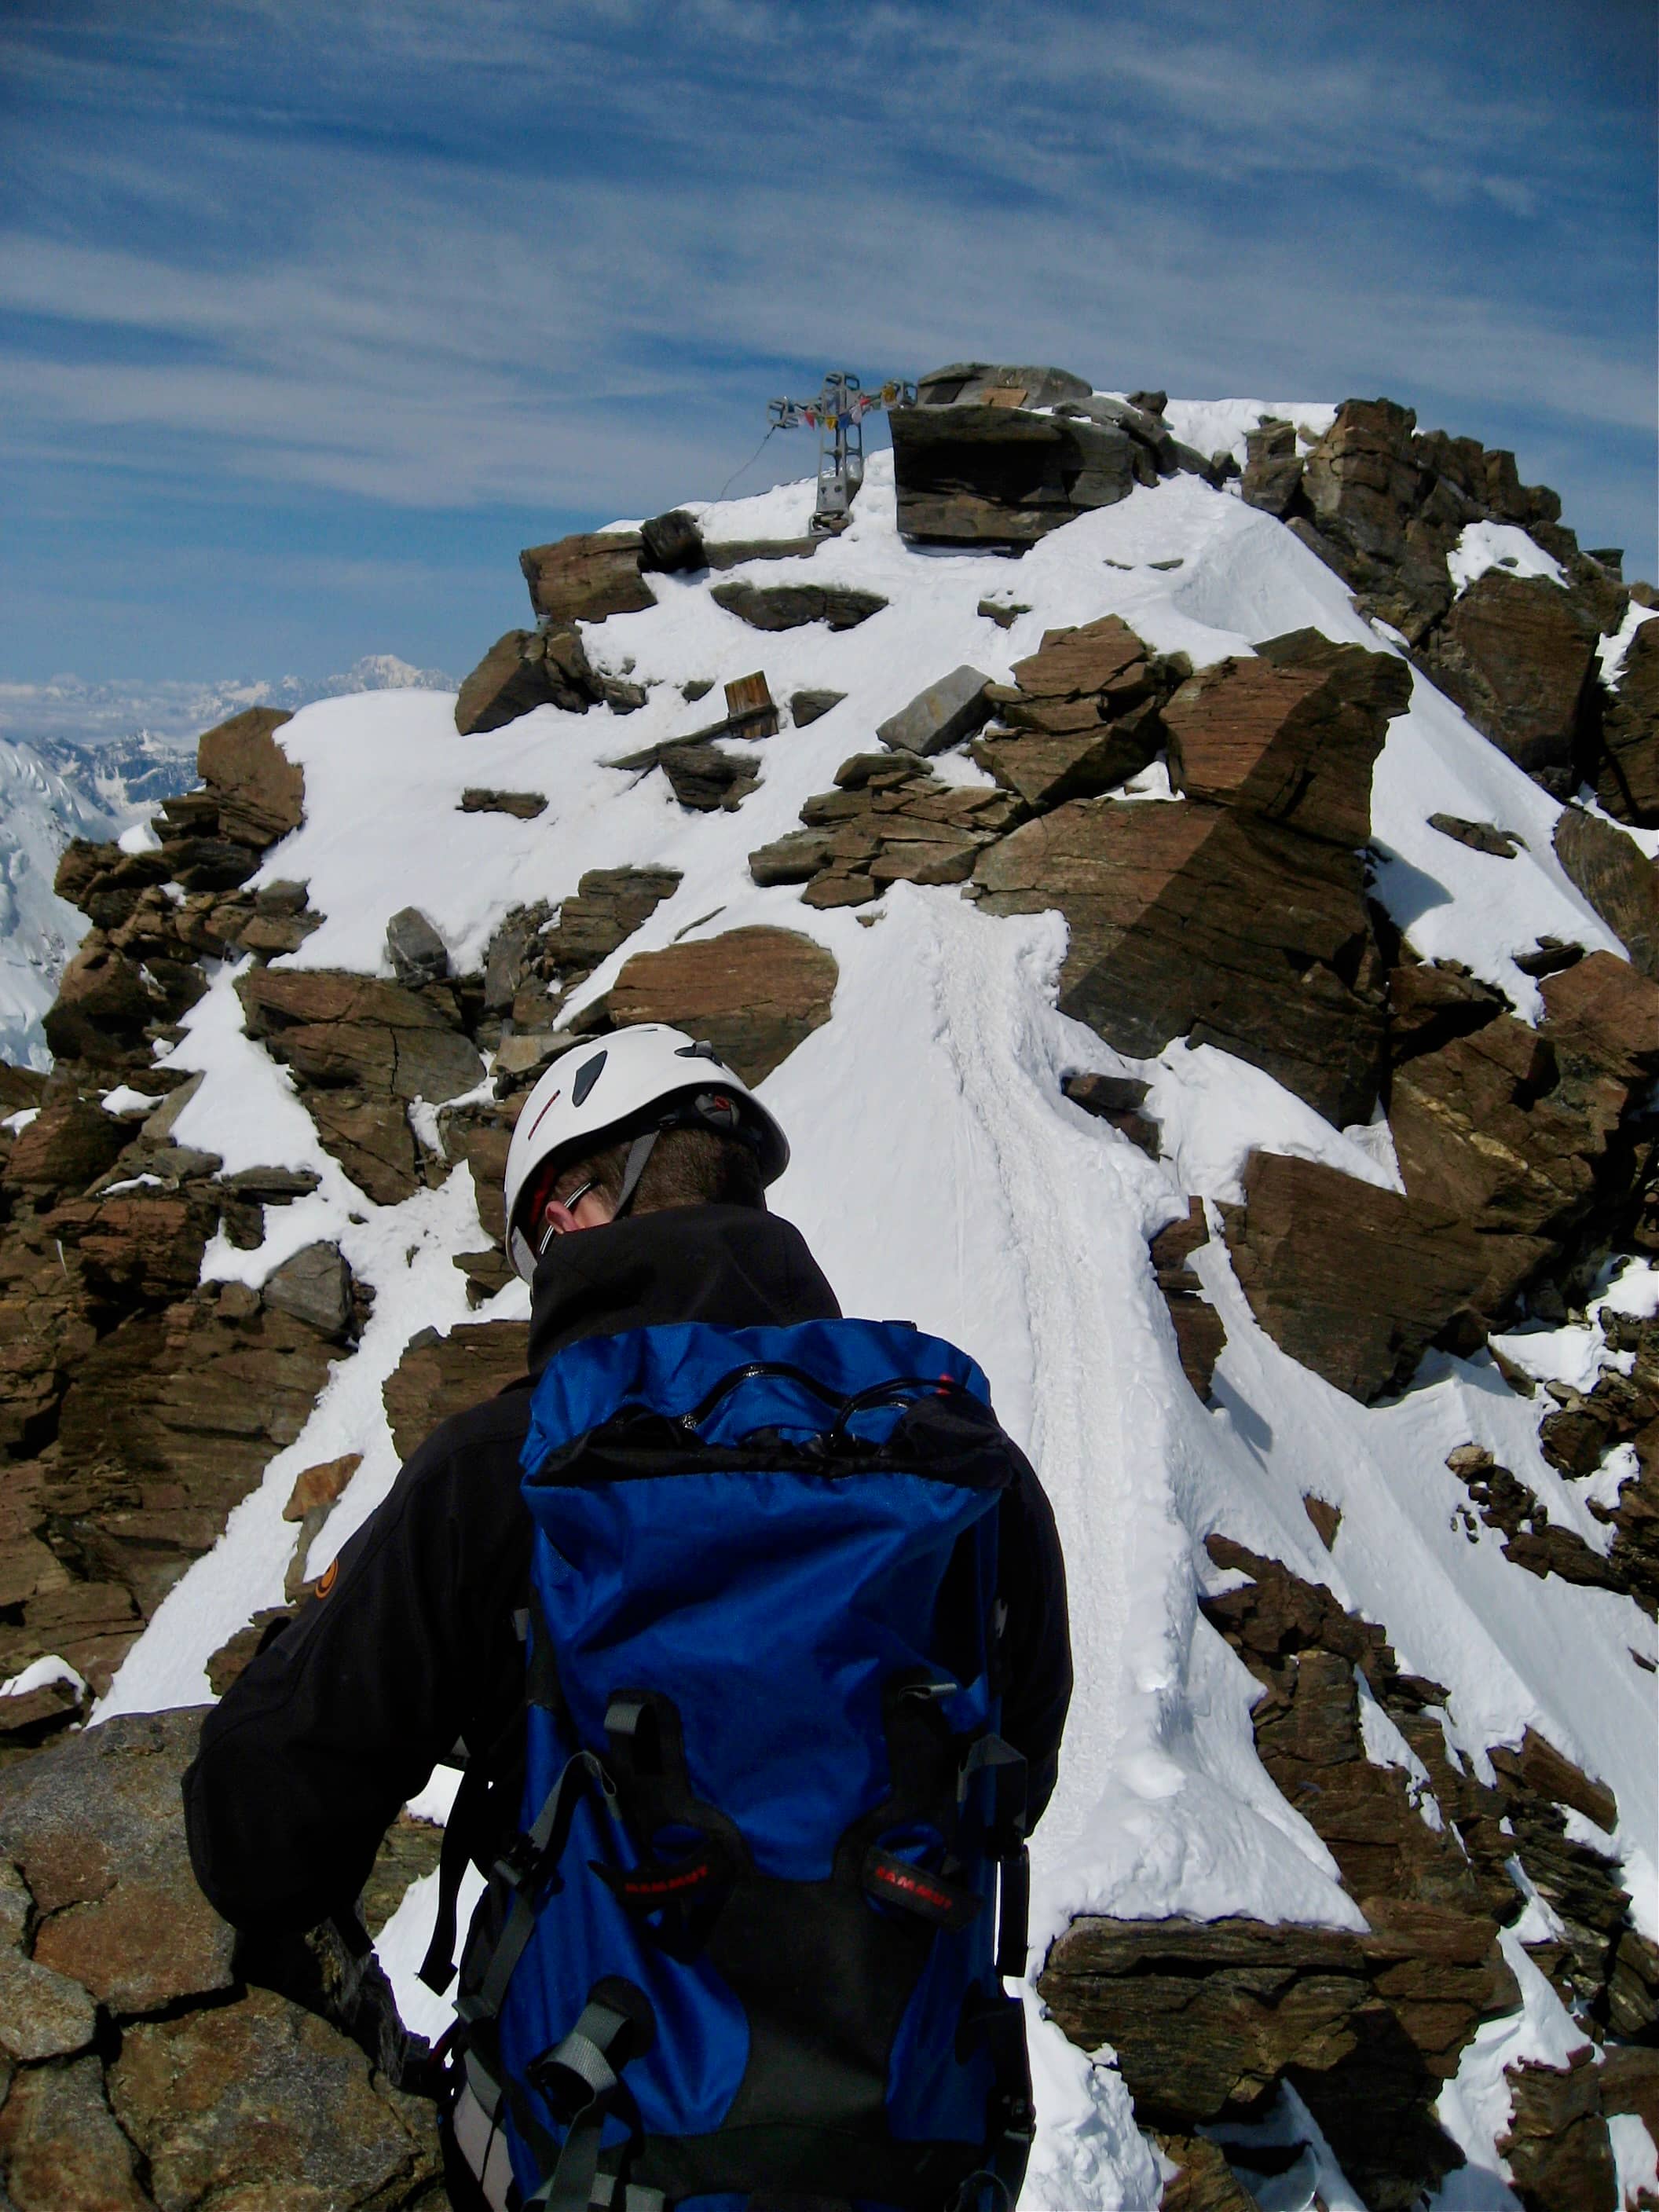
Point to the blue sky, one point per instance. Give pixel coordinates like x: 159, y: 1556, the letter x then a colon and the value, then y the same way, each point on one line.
x: 312, y: 315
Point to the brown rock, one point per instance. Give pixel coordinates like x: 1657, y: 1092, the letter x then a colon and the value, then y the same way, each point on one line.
x: 205, y: 1400
x: 1188, y: 921
x: 1478, y: 836
x: 704, y: 777
x: 96, y: 1826
x: 144, y: 1245
x: 103, y: 1006
x: 42, y: 2014
x: 1203, y: 2014
x: 409, y: 1849
x: 439, y: 1376
x: 1351, y: 1280
x: 1048, y: 770
x: 1627, y: 777
x: 973, y: 473
x: 1553, y: 1775
x: 587, y: 578
x: 753, y: 994
x: 610, y: 905
x: 368, y: 1132
x: 261, y: 2103
x: 1558, y: 2147
x: 1518, y: 655
x: 1203, y: 2182
x: 1618, y: 878
x: 314, y: 1286
x: 525, y: 669
x: 60, y: 2150
x: 338, y: 1029
x: 259, y: 792
x: 1291, y: 735
x: 1272, y: 469
x: 320, y: 1485
x: 71, y: 1143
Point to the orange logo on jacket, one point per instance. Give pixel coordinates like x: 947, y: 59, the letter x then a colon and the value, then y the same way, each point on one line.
x: 327, y: 1579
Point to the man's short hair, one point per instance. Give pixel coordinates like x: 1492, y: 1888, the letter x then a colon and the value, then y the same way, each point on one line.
x: 687, y: 1167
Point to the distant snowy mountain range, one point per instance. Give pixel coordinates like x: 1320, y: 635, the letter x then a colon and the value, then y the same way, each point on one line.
x: 80, y: 759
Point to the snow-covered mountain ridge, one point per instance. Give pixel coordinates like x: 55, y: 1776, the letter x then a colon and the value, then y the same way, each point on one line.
x: 90, y: 760
x: 1320, y: 1668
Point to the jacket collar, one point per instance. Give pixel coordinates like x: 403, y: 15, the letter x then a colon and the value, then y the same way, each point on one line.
x: 733, y: 1266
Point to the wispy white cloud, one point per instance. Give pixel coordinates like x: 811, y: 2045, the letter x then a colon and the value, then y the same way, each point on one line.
x: 451, y: 253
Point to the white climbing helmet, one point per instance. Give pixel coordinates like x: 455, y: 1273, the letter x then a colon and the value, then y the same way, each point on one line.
x: 598, y: 1090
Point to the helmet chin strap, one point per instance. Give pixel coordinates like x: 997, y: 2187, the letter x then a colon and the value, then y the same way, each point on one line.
x: 638, y: 1153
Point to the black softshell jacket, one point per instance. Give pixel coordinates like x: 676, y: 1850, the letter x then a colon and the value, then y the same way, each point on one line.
x: 308, y: 1759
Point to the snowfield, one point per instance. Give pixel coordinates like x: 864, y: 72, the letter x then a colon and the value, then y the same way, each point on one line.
x: 939, y: 1173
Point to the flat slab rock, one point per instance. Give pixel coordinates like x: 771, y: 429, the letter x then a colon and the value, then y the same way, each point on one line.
x: 1354, y: 1282
x: 753, y: 994
x: 789, y: 606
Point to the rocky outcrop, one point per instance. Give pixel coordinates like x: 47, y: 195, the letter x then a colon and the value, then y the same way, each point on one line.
x: 1516, y: 1148
x: 975, y: 463
x: 979, y: 472
x: 336, y: 1029
x: 1618, y: 878
x: 1200, y: 1334
x: 439, y: 1376
x: 1082, y: 715
x: 1621, y: 1411
x: 139, y: 2069
x: 1384, y: 505
x: 587, y: 578
x: 889, y: 821
x: 259, y: 794
x: 1353, y: 1282
x: 1185, y: 920
x: 1627, y: 773
x: 1206, y: 2018
x: 533, y: 959
x: 524, y: 669
x: 753, y: 994
x: 1518, y: 655
x: 705, y: 777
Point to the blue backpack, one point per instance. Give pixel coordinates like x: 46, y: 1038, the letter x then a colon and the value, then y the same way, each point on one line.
x: 743, y: 1952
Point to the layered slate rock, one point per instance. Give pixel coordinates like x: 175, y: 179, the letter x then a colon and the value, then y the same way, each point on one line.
x: 1186, y: 922
x: 1627, y: 773
x: 705, y: 777
x: 753, y: 994
x: 535, y: 957
x: 1205, y: 2016
x: 141, y: 2070
x: 1618, y: 878
x: 525, y: 669
x: 587, y: 578
x: 336, y: 1029
x: 1518, y: 1148
x: 1353, y: 1282
x: 1433, y: 1837
x: 1508, y: 1128
x: 258, y: 792
x: 1199, y: 1332
x: 890, y: 820
x: 977, y: 473
x: 441, y: 1376
x: 1518, y: 655
x: 1081, y: 716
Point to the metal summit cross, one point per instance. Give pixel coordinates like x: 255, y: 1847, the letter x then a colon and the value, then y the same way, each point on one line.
x: 837, y: 414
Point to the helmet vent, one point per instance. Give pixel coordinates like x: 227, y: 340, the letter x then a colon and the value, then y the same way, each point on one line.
x: 586, y: 1076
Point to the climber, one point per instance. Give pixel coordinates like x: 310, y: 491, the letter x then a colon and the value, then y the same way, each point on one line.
x: 634, y: 1205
